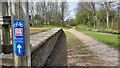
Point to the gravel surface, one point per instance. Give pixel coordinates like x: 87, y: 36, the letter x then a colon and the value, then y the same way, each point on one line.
x: 103, y: 51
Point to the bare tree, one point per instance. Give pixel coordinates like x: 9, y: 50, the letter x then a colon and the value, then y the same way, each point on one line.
x: 32, y: 9
x: 64, y: 8
x: 107, y: 7
x: 51, y: 12
x: 94, y: 13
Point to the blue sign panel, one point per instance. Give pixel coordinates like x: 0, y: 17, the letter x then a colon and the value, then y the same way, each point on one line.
x: 19, y: 37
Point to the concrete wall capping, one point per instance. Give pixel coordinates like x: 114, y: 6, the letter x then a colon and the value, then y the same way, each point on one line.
x: 38, y: 39
x: 43, y: 45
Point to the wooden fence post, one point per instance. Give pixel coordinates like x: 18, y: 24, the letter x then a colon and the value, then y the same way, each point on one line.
x: 19, y: 11
x: 5, y: 26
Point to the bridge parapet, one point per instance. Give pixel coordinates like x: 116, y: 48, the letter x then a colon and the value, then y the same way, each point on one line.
x: 42, y: 45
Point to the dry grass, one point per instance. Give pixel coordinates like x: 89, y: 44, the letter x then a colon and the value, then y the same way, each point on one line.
x: 36, y: 30
x: 79, y: 55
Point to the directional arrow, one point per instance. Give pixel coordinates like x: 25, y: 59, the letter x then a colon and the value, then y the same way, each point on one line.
x: 19, y: 47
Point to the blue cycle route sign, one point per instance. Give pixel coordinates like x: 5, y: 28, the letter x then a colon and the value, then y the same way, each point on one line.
x: 19, y: 37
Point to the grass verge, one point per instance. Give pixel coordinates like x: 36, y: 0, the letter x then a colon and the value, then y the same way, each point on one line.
x: 110, y: 39
x: 78, y: 54
x: 51, y: 26
x: 72, y: 40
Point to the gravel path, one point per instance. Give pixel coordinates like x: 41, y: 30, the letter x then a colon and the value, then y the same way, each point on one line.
x: 100, y: 49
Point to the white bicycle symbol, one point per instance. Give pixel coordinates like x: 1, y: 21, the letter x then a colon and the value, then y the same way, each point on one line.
x: 18, y: 24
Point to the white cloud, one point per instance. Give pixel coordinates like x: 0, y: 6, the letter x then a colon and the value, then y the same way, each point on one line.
x: 74, y: 17
x: 72, y: 13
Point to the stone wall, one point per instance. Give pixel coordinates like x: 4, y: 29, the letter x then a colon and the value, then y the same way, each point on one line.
x: 43, y: 44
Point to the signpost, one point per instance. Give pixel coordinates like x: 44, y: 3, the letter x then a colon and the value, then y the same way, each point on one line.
x: 19, y: 37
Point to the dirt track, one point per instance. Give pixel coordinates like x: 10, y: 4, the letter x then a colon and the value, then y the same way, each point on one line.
x: 108, y: 55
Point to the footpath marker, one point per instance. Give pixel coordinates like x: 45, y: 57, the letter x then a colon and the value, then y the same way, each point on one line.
x: 19, y: 38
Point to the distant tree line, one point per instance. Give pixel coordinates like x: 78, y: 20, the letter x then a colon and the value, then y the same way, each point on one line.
x: 103, y: 15
x: 48, y: 13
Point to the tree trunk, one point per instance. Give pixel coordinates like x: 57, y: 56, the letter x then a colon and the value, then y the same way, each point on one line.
x: 94, y: 13
x: 62, y: 12
x: 107, y: 18
x: 107, y: 13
